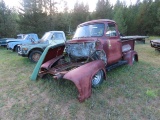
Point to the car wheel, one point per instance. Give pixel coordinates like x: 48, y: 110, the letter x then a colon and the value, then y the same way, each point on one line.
x: 34, y: 56
x: 16, y: 48
x: 98, y: 78
x: 133, y: 59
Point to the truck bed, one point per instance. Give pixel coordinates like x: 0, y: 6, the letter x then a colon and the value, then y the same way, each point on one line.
x: 137, y: 38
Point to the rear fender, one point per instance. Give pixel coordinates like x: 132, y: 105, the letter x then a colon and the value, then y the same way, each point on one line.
x: 82, y: 77
x: 128, y: 56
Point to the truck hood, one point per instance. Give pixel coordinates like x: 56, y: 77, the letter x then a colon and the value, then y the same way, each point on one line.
x: 34, y: 45
x: 13, y: 40
x: 39, y: 44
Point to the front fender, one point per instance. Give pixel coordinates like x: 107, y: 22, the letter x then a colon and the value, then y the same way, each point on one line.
x: 82, y: 77
x: 11, y: 45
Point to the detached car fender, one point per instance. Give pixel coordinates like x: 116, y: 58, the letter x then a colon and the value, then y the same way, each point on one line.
x: 82, y: 77
x: 49, y: 53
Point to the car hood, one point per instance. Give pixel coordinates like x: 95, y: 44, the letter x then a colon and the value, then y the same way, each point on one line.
x: 13, y: 40
x: 34, y: 45
x: 39, y: 44
x: 157, y: 41
x: 4, y: 39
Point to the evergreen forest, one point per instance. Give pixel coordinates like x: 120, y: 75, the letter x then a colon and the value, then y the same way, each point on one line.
x: 40, y: 16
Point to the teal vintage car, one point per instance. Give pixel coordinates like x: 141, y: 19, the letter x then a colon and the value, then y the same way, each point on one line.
x: 3, y: 41
x: 28, y: 38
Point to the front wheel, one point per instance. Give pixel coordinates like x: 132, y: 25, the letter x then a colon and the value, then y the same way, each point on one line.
x: 16, y: 48
x: 34, y: 56
x: 98, y: 78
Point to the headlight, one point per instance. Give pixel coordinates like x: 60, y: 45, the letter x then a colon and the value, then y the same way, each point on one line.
x: 25, y: 49
x: 152, y: 43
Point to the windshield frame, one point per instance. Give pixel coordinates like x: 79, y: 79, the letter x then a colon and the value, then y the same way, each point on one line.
x: 90, y: 30
x: 25, y: 37
x: 45, y: 37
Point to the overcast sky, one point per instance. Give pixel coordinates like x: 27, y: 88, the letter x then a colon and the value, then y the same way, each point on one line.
x: 91, y: 3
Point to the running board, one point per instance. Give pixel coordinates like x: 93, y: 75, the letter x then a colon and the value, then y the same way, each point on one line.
x: 116, y: 65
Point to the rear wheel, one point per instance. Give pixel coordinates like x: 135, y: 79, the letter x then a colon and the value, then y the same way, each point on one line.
x: 133, y: 59
x: 98, y: 78
x: 34, y: 56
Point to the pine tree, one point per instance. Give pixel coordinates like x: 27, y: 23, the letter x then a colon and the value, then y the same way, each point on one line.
x: 119, y: 17
x: 8, y: 17
x: 103, y: 10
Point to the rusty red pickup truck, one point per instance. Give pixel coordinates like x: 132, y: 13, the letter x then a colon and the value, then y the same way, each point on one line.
x: 96, y: 48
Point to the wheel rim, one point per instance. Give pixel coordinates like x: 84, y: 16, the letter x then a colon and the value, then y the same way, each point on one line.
x: 36, y: 57
x: 97, y: 78
x: 133, y: 59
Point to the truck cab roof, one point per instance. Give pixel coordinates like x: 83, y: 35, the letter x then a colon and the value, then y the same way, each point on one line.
x: 97, y: 21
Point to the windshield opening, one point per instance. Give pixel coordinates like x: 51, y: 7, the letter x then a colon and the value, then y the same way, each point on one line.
x: 45, y: 37
x: 92, y: 30
x: 25, y: 37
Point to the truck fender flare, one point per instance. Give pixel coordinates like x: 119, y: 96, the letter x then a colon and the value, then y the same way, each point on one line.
x: 82, y: 77
x: 128, y: 56
x: 39, y: 49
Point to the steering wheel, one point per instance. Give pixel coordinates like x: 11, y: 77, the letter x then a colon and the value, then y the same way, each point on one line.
x: 32, y: 40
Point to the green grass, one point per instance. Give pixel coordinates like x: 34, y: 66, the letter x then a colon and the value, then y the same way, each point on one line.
x: 129, y: 93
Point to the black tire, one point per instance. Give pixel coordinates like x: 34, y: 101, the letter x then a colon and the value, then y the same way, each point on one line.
x: 16, y: 48
x: 35, y: 55
x: 98, y: 78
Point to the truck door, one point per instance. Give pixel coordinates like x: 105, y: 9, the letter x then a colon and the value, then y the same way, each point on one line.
x: 114, y: 45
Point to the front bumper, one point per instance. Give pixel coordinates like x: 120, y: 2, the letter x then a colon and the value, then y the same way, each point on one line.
x: 3, y: 45
x: 21, y: 54
x: 9, y: 48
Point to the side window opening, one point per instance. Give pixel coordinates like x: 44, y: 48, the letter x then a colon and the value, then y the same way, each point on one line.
x: 111, y: 30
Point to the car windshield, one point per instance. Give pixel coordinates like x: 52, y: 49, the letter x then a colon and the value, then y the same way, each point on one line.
x: 91, y: 30
x: 45, y: 37
x: 25, y: 37
x: 21, y: 36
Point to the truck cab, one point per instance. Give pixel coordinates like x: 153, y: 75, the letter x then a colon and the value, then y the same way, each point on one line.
x: 104, y: 35
x: 34, y: 50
